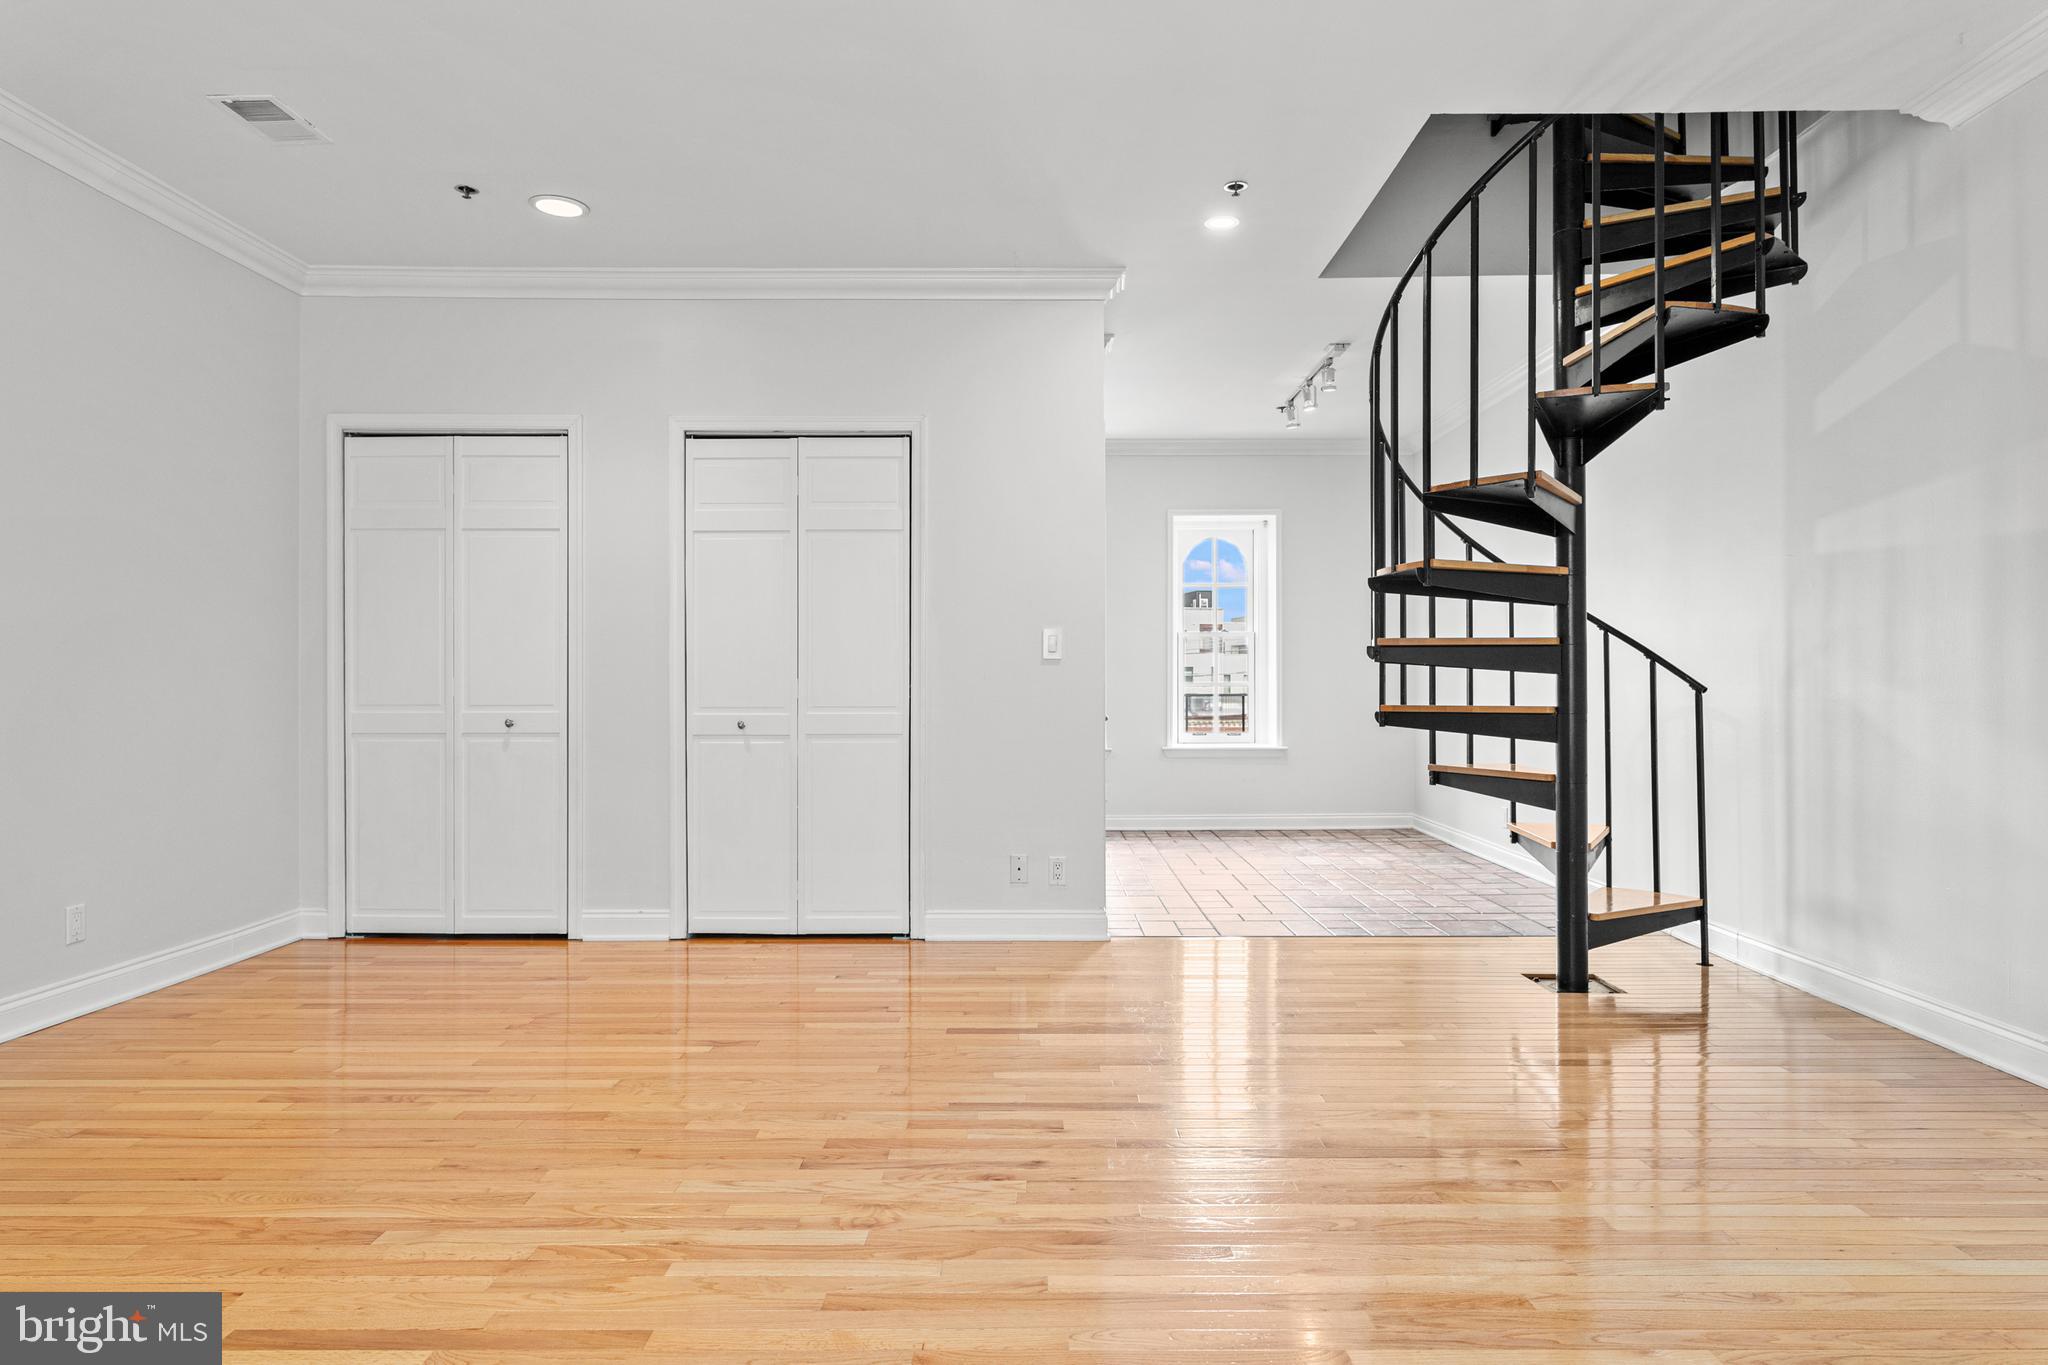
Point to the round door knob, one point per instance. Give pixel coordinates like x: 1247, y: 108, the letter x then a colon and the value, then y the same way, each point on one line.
x: 743, y: 725
x: 508, y: 722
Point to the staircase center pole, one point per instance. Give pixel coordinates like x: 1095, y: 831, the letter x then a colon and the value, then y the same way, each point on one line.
x: 1570, y: 147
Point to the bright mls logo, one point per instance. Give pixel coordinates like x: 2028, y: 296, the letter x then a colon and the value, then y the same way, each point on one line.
x: 173, y: 1329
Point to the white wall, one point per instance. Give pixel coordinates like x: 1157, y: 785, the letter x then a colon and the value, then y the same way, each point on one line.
x: 1843, y: 528
x: 147, y: 588
x: 1014, y: 485
x: 1339, y: 766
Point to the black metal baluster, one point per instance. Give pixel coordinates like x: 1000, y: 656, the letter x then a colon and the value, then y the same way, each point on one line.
x: 1699, y: 758
x: 1529, y: 417
x: 1472, y: 427
x: 1470, y: 675
x: 1379, y: 504
x: 1657, y: 254
x: 1429, y: 608
x: 1656, y: 817
x: 1511, y: 701
x: 1791, y: 179
x: 1595, y: 204
x: 1607, y: 744
x: 1428, y: 478
x: 1760, y: 185
x: 1717, y: 138
x: 1400, y: 526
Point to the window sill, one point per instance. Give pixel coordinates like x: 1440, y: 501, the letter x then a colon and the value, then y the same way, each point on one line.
x: 1207, y: 749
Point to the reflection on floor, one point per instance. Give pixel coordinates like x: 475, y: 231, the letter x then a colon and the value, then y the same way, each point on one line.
x: 1165, y: 1151
x: 1275, y: 883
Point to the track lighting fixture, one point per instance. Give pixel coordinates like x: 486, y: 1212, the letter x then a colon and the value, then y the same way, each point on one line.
x: 1289, y: 420
x: 1321, y: 380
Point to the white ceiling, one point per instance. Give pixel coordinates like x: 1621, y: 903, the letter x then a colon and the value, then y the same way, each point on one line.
x: 923, y: 133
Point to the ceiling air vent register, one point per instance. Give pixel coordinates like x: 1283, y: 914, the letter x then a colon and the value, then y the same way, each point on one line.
x: 271, y: 120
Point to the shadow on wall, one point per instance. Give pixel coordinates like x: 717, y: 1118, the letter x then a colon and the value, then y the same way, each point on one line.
x: 1916, y: 509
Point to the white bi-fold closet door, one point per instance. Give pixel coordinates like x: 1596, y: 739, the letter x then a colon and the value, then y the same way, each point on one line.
x: 796, y: 684
x: 455, y: 666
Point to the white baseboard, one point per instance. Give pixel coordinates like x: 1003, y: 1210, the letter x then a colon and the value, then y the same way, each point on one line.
x: 982, y: 926
x: 1382, y: 820
x: 624, y: 926
x: 1507, y: 856
x: 2013, y: 1051
x: 43, y: 1006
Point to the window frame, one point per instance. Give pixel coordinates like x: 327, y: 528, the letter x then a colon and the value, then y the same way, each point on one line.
x: 1257, y: 535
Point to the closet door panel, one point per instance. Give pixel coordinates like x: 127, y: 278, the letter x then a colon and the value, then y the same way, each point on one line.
x: 743, y: 860
x: 511, y: 684
x: 740, y: 781
x: 395, y: 606
x: 854, y: 769
x: 513, y: 817
x: 398, y: 833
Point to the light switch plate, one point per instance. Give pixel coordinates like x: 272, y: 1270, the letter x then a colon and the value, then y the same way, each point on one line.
x: 1055, y: 645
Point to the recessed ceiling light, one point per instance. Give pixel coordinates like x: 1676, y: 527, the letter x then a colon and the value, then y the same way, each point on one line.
x: 1222, y: 222
x: 559, y: 205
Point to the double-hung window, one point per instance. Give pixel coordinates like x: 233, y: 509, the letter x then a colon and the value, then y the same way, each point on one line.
x: 1223, y: 603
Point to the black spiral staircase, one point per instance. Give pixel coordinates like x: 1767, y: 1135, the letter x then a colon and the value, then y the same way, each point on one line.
x: 1650, y: 240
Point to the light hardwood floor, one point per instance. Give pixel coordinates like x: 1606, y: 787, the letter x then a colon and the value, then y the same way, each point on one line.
x: 1155, y: 1149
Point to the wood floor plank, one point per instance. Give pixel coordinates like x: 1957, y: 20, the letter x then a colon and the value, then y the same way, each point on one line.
x: 1248, y: 1149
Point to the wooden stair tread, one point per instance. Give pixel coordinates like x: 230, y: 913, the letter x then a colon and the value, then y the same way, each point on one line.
x: 1544, y: 832
x: 1688, y: 206
x: 1615, y: 902
x: 1479, y: 710
x: 1477, y: 566
x: 1544, y: 480
x: 1621, y: 329
x: 1585, y: 390
x: 1393, y: 641
x: 1643, y: 272
x: 1687, y: 160
x: 1520, y: 772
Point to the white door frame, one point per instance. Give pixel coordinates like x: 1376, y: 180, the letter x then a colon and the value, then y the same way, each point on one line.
x: 340, y: 426
x: 680, y: 429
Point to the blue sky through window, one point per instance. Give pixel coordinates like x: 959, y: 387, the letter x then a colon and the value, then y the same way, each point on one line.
x: 1213, y: 561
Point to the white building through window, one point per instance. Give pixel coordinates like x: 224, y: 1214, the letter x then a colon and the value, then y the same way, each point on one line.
x: 1224, y: 579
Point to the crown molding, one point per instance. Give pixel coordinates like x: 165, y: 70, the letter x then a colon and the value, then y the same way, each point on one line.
x: 85, y: 161
x: 42, y: 137
x: 1093, y: 284
x: 1240, y: 446
x: 2010, y: 63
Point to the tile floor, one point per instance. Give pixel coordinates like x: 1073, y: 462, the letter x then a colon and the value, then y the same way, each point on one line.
x: 1274, y: 883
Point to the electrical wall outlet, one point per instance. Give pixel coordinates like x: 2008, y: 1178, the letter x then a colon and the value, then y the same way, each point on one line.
x: 1019, y: 870
x: 74, y: 924
x: 1059, y: 870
